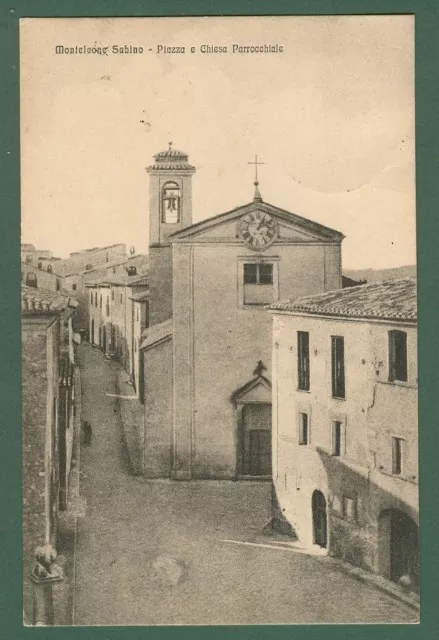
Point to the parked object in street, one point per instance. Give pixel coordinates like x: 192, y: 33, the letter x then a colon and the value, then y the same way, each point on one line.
x: 87, y: 432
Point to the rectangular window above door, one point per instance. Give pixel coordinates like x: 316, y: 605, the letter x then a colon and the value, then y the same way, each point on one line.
x: 258, y: 283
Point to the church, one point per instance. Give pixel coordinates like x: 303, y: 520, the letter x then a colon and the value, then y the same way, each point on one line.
x: 207, y: 351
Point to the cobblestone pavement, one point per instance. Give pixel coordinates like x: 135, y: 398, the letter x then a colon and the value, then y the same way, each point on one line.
x: 154, y: 552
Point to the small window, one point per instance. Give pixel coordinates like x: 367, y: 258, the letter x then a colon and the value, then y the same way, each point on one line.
x: 137, y: 313
x: 58, y: 285
x: 96, y: 299
x: 303, y: 360
x: 91, y: 298
x: 258, y: 283
x: 336, y: 438
x: 338, y: 369
x: 349, y: 506
x: 74, y: 287
x: 258, y: 273
x: 397, y: 455
x: 121, y: 298
x: 49, y: 268
x: 112, y: 294
x: 303, y: 428
x: 100, y: 301
x: 397, y: 356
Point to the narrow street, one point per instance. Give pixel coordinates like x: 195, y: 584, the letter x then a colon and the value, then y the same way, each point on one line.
x: 155, y: 552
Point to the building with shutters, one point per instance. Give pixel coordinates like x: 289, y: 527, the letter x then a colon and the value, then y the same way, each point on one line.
x: 345, y: 424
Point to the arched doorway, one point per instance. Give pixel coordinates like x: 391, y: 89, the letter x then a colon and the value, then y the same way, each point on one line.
x: 319, y: 519
x: 398, y: 547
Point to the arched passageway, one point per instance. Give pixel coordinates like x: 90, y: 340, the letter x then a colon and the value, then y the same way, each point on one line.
x: 398, y: 548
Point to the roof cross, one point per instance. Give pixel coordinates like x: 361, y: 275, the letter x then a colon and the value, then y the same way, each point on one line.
x: 256, y: 163
x: 257, y: 197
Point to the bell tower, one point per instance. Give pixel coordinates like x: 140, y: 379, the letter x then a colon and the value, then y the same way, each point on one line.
x: 170, y: 209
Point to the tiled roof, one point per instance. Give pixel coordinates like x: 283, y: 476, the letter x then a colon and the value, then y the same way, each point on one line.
x: 170, y: 159
x: 37, y: 301
x: 155, y: 334
x: 139, y: 260
x: 388, y: 300
x: 140, y: 297
x: 127, y: 281
x: 123, y: 280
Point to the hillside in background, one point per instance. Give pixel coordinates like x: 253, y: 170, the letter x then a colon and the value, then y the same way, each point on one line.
x: 376, y: 275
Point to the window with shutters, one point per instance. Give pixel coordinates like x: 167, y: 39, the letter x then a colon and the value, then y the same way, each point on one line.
x: 397, y: 356
x: 258, y: 283
x: 336, y: 438
x: 303, y: 428
x: 397, y: 456
x: 338, y: 367
x: 303, y: 360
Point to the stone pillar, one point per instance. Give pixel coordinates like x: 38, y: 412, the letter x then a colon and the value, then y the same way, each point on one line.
x: 44, y: 575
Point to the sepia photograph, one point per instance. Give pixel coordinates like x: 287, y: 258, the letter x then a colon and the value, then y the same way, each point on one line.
x: 219, y: 321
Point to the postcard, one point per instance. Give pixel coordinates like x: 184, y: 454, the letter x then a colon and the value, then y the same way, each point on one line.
x: 219, y: 321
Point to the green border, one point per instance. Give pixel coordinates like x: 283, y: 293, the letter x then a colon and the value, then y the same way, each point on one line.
x: 427, y: 145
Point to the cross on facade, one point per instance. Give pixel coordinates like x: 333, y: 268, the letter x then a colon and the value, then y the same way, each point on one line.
x: 256, y: 163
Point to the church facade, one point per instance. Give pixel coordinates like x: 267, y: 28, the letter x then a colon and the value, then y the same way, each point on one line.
x: 207, y: 352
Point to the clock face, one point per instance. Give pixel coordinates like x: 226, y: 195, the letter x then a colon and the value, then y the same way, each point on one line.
x: 258, y: 229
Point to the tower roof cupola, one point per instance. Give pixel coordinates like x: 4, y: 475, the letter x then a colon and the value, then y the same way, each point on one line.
x: 170, y: 159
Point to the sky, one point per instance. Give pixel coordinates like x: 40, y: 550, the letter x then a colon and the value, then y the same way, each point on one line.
x: 332, y: 118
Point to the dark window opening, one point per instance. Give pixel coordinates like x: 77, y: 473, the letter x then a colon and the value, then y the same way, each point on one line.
x: 397, y: 356
x: 338, y: 369
x: 74, y: 287
x: 303, y: 428
x: 258, y: 273
x: 303, y: 360
x: 336, y: 438
x: 397, y: 447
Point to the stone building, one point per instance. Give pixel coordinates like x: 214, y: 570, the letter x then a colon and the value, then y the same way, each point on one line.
x: 345, y: 424
x: 31, y: 255
x: 140, y: 319
x: 99, y: 310
x: 111, y: 310
x: 207, y: 352
x: 47, y: 407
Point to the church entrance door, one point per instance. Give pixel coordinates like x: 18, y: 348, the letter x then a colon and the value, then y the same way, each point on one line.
x: 256, y: 440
